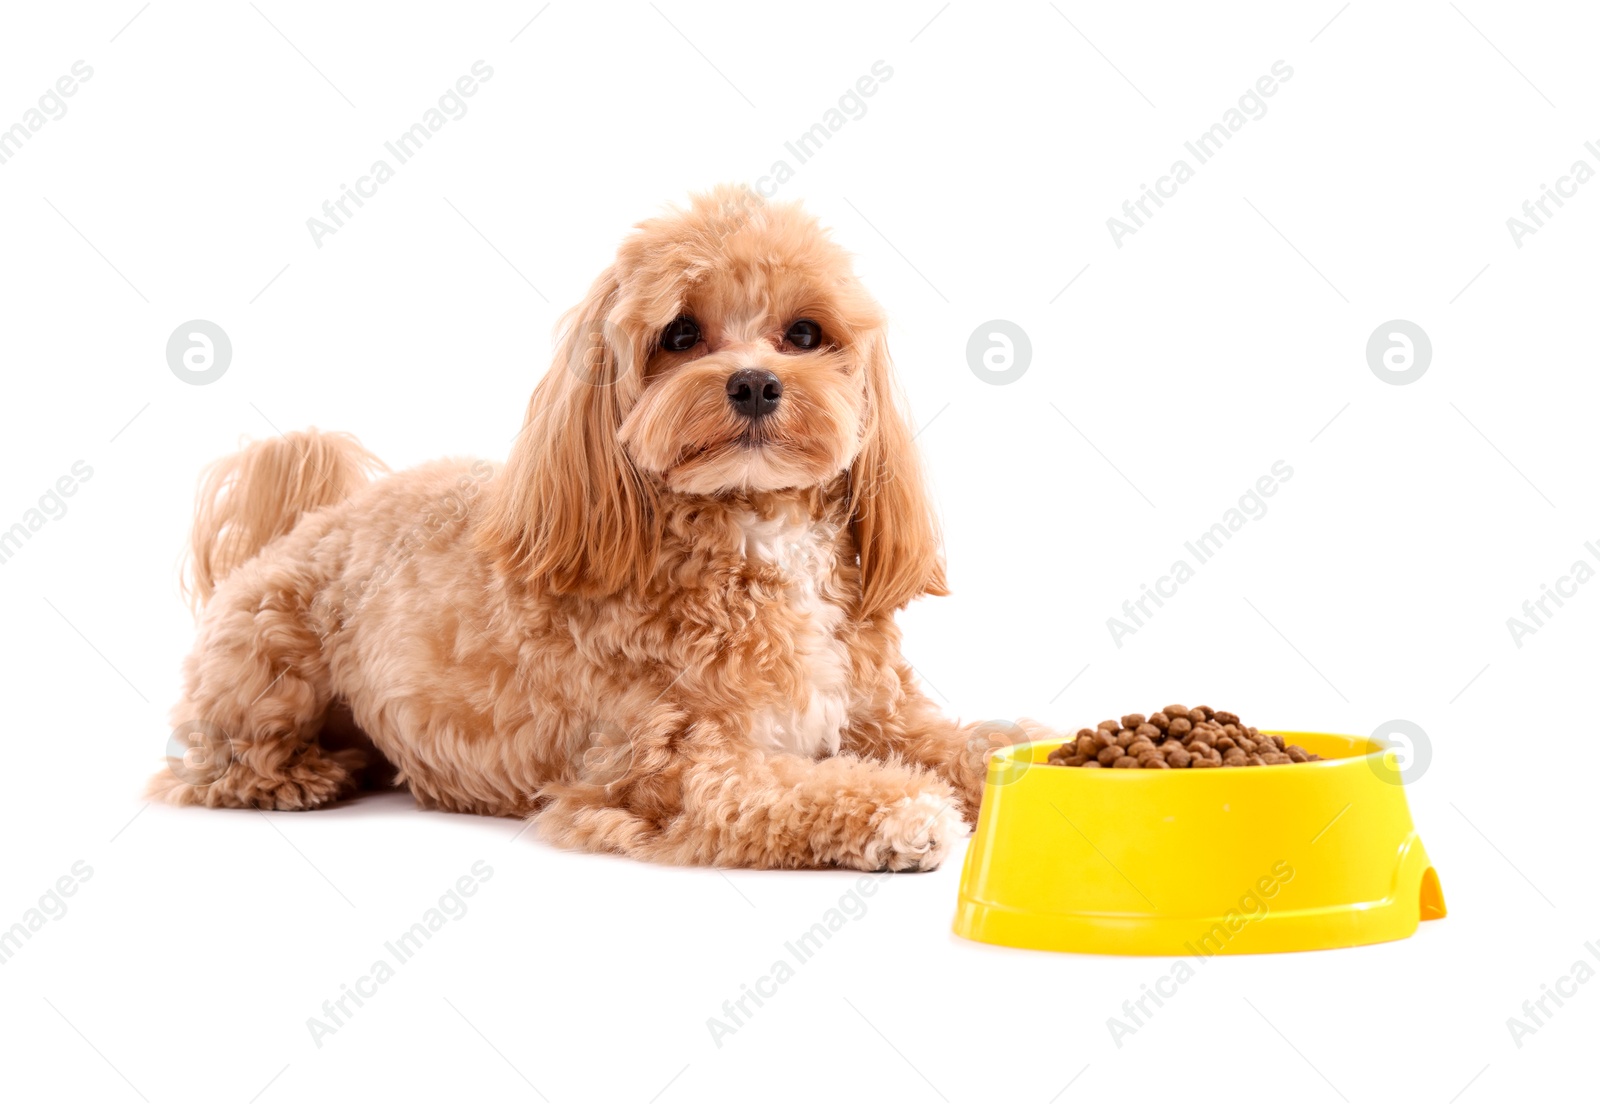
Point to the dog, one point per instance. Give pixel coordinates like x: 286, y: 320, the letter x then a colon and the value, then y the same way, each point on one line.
x: 664, y: 628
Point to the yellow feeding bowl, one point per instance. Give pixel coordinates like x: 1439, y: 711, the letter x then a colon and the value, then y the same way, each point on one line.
x: 1197, y: 862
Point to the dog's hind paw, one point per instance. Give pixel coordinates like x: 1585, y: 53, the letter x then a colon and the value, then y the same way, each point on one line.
x: 313, y: 779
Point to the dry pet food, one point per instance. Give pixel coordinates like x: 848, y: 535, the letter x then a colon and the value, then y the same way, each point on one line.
x: 1177, y: 737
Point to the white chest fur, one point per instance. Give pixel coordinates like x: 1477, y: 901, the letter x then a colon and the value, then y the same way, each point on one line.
x: 803, y: 551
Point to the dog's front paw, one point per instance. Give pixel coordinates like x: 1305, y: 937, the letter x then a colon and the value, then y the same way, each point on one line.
x: 914, y: 834
x: 968, y: 771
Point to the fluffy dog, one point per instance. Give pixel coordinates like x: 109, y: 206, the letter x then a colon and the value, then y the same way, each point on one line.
x: 665, y: 628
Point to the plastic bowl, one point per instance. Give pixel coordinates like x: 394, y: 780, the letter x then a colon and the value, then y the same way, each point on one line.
x: 1196, y: 862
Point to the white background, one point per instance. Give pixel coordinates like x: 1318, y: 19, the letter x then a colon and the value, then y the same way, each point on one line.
x: 1226, y: 334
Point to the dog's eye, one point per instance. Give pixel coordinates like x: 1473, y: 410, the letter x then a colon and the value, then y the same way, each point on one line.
x: 804, y: 334
x: 682, y: 333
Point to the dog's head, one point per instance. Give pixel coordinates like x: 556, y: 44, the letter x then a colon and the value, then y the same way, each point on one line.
x: 729, y: 348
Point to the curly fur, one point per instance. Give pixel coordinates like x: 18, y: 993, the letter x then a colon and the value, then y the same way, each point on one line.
x: 660, y: 629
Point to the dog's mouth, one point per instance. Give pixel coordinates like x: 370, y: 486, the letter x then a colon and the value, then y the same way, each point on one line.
x: 756, y: 448
x: 754, y: 436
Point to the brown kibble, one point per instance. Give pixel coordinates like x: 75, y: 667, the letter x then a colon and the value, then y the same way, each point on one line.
x: 1177, y: 737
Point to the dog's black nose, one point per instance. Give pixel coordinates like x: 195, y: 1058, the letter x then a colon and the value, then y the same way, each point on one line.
x: 754, y: 392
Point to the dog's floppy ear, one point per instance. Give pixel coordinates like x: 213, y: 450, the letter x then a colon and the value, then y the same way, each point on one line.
x: 569, y: 509
x: 896, y: 531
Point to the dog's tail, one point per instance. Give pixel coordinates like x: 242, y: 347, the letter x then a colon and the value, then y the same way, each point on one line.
x: 258, y: 494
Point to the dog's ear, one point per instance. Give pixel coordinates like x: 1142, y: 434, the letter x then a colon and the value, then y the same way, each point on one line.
x: 895, y: 528
x: 570, y: 509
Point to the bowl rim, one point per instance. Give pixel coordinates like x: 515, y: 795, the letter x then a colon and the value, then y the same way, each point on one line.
x: 1008, y: 752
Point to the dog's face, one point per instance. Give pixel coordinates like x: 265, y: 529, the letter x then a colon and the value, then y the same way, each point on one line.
x: 728, y: 349
x: 754, y: 344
